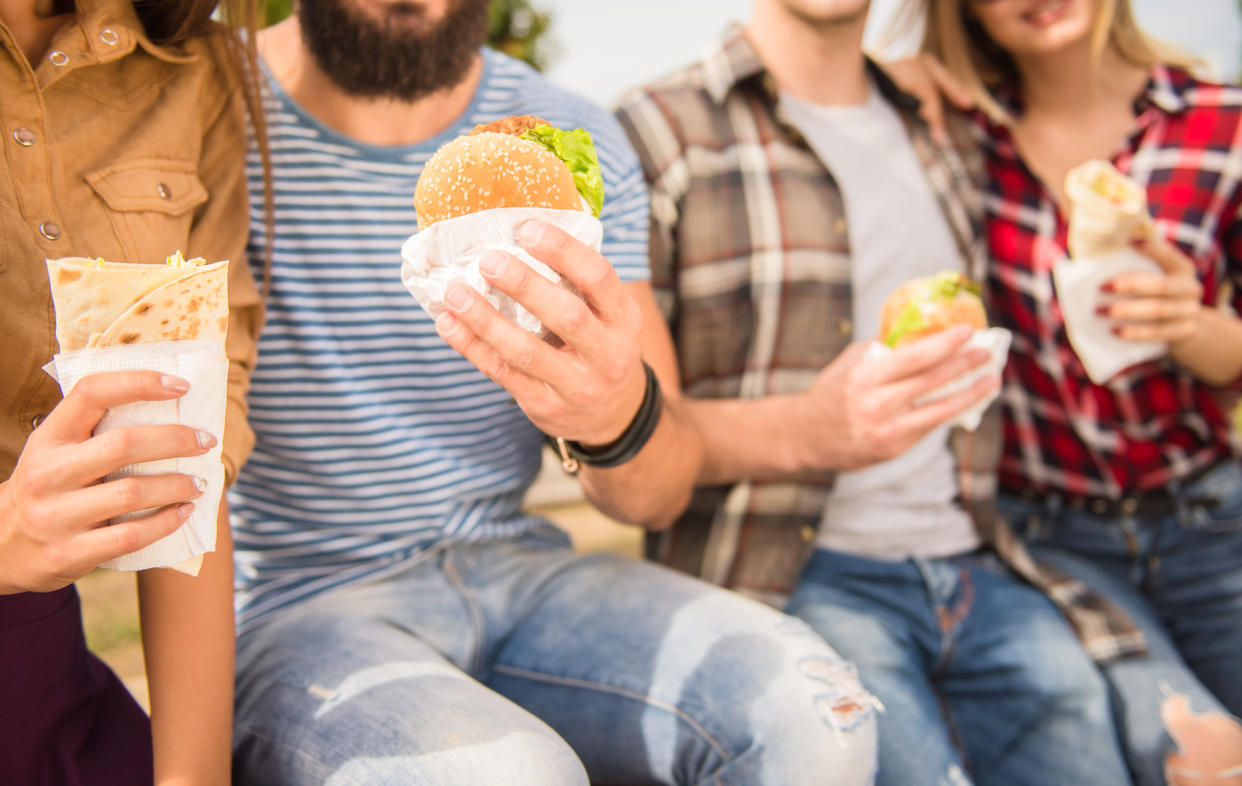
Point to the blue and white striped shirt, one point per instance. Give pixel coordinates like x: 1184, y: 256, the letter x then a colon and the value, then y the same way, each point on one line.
x: 375, y: 440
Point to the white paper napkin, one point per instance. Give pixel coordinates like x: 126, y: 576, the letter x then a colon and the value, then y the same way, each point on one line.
x: 996, y: 342
x: 1078, y: 282
x: 450, y: 251
x: 205, y: 366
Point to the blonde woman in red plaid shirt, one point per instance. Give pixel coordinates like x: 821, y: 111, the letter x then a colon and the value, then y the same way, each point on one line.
x: 1128, y: 494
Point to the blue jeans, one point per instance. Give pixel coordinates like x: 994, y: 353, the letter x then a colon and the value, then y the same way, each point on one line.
x: 518, y: 662
x: 1180, y: 579
x: 981, y: 678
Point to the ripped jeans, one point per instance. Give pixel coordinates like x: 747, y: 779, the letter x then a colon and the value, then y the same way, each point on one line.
x: 518, y: 662
x: 1179, y: 577
x: 983, y: 682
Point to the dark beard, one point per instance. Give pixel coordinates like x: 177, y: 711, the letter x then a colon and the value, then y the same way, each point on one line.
x: 403, y: 56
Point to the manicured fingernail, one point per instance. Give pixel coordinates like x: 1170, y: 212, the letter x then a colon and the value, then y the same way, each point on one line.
x: 174, y: 384
x: 493, y: 264
x: 1116, y: 331
x: 529, y: 231
x: 458, y: 297
x: 185, y: 510
x: 200, y: 483
x: 204, y: 439
x: 1107, y: 286
x: 446, y: 323
x: 1101, y: 311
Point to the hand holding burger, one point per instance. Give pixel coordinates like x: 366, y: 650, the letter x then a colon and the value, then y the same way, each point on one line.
x: 521, y: 178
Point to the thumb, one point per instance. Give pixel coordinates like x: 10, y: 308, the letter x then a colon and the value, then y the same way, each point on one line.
x: 1168, y: 256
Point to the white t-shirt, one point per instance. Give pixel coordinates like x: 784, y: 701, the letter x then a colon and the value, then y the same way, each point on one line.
x: 903, y: 507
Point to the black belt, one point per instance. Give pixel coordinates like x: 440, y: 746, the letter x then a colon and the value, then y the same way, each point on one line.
x: 1143, y: 503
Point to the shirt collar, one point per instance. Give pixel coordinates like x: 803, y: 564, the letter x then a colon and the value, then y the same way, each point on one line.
x: 112, y: 29
x: 735, y: 61
x: 1166, y: 89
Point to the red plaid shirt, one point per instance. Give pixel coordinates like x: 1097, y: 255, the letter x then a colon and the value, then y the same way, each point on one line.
x: 1154, y: 422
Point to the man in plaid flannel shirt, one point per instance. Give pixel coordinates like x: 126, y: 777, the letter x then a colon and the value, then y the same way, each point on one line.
x: 823, y: 478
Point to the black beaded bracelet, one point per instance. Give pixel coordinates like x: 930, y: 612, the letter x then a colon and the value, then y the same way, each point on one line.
x: 624, y: 447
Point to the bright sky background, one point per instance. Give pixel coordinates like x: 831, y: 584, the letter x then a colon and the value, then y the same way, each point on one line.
x: 606, y: 46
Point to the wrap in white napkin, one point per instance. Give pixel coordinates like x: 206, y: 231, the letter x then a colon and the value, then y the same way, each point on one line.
x: 996, y: 342
x: 1078, y: 282
x: 205, y: 366
x: 450, y: 251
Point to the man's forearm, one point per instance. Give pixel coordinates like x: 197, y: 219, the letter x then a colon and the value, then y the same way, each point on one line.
x: 653, y: 488
x: 187, y: 636
x: 748, y: 439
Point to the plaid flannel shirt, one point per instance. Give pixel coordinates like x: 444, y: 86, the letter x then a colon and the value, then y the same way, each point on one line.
x: 1155, y: 422
x: 751, y: 265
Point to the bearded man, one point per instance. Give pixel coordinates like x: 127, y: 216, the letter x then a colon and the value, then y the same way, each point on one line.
x: 401, y: 619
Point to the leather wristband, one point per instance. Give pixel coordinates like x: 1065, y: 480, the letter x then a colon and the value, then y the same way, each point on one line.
x: 624, y: 447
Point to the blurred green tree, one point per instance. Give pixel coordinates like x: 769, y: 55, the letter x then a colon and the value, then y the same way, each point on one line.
x: 520, y: 31
x: 515, y: 27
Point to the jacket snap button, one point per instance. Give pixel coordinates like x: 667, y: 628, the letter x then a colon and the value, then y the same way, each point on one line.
x: 164, y: 191
x: 49, y: 230
x: 109, y: 36
x: 24, y: 136
x: 58, y: 58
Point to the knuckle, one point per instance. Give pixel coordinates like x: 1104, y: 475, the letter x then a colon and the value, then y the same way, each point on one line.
x: 118, y: 444
x: 498, y: 370
x: 127, y: 491
x: 577, y: 317
x: 526, y: 358
x: 127, y: 539
x: 36, y: 481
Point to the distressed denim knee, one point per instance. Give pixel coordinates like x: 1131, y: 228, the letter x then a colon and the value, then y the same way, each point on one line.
x: 808, y: 719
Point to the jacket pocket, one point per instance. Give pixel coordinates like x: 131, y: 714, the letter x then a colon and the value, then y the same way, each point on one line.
x: 151, y: 203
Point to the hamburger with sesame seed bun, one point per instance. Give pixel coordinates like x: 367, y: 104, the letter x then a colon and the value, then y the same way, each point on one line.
x: 518, y: 161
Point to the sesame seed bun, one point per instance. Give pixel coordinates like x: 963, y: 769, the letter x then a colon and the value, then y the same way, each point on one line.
x: 488, y: 169
x: 937, y: 311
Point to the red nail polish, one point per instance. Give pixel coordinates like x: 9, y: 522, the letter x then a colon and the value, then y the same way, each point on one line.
x: 1107, y: 286
x: 1101, y: 311
x: 1116, y: 331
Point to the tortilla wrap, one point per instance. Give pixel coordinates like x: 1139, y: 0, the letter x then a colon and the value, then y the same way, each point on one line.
x: 90, y: 294
x: 1108, y: 211
x: 195, y: 306
x: 103, y: 304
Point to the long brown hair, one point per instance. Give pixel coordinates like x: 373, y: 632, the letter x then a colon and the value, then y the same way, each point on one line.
x: 171, y: 22
x: 953, y: 36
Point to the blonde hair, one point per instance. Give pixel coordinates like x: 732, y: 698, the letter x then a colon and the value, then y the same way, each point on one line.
x: 981, y: 65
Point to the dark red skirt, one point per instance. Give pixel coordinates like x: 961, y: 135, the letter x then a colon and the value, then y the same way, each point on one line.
x: 65, y: 718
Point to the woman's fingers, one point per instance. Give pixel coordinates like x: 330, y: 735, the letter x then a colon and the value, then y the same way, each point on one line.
x: 76, y: 416
x: 88, y: 461
x: 104, y: 543
x: 95, y: 505
x: 1168, y: 256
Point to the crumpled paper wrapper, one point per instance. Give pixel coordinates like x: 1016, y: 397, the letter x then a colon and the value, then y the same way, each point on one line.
x: 205, y: 366
x: 1078, y: 282
x: 450, y: 251
x: 996, y: 341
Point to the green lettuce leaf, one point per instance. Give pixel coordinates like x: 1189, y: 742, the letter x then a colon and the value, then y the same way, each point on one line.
x: 577, y: 150
x: 909, y: 320
x: 943, y: 286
